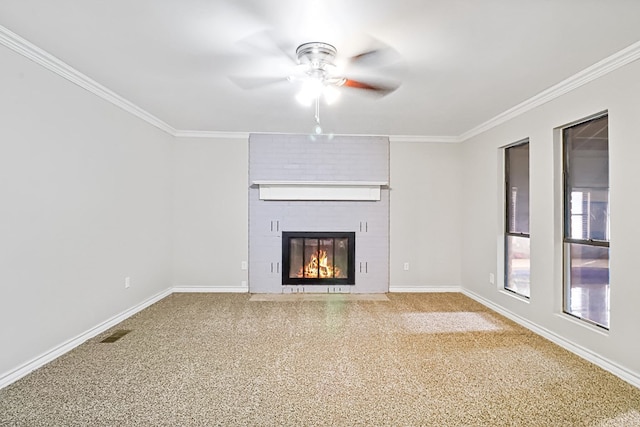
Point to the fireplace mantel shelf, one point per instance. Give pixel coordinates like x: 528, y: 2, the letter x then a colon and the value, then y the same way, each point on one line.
x: 320, y: 190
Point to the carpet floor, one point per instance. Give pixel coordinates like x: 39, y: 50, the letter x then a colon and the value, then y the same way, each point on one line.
x: 411, y: 360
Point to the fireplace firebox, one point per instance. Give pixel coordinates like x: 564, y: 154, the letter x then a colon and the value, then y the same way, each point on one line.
x: 317, y: 258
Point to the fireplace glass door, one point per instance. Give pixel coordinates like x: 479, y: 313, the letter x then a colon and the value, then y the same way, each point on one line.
x: 317, y: 258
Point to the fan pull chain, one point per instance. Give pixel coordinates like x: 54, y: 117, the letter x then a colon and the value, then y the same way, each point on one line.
x: 318, y: 128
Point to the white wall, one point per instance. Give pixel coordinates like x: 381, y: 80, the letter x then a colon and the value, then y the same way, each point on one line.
x: 211, y: 220
x: 617, y: 92
x: 211, y: 214
x: 84, y: 202
x: 425, y: 228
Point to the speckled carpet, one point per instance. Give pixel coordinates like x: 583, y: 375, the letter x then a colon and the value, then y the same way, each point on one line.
x: 414, y: 360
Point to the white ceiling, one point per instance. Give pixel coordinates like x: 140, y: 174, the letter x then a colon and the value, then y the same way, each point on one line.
x: 464, y: 61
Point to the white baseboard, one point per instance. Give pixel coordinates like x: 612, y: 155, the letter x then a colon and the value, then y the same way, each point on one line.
x: 39, y: 361
x: 606, y: 364
x: 419, y: 289
x: 211, y: 289
x: 72, y: 343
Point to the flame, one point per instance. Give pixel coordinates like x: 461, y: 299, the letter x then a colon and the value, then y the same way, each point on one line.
x: 319, y: 267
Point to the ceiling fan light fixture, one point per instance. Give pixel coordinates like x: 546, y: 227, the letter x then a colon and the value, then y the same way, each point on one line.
x: 331, y: 94
x: 315, y: 65
x: 311, y: 89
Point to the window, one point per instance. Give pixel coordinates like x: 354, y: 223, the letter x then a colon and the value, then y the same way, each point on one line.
x: 586, y: 220
x: 517, y: 258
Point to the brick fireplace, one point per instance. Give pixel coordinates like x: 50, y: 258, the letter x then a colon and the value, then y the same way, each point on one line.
x: 313, y: 189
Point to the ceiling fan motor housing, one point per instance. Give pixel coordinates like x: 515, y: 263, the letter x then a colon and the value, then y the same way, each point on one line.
x: 316, y: 54
x: 318, y: 58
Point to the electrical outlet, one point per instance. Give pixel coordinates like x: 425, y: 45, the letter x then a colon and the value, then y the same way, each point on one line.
x: 406, y: 266
x: 127, y: 282
x: 492, y: 279
x: 243, y: 265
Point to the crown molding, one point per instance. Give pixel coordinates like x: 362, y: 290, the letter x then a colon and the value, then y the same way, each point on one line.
x: 210, y: 134
x: 50, y: 62
x: 424, y: 138
x: 245, y: 135
x: 595, y: 71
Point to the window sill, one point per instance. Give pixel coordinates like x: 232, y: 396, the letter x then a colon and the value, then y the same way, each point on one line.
x: 583, y: 323
x: 515, y: 296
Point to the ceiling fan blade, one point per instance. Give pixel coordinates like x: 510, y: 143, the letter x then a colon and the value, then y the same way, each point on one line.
x: 249, y: 83
x: 269, y: 43
x: 379, y: 89
x: 366, y: 56
x: 378, y: 54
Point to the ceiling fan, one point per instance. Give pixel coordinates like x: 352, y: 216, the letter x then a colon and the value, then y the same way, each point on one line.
x: 320, y: 73
x: 319, y: 70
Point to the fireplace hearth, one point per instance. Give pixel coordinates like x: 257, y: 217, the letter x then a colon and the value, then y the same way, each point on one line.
x: 318, y: 258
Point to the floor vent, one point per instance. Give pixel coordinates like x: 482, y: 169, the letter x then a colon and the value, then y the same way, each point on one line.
x: 119, y: 333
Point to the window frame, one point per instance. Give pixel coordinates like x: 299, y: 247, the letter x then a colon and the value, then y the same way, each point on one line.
x: 567, y: 240
x: 507, y: 233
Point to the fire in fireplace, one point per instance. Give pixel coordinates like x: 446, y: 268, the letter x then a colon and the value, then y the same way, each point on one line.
x: 318, y: 258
